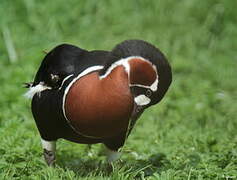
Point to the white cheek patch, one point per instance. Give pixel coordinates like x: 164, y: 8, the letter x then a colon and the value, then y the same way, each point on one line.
x: 35, y: 89
x: 142, y: 100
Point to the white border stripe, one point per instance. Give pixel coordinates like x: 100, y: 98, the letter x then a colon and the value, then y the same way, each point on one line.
x: 153, y: 87
x: 66, y: 78
x: 85, y: 72
x: 123, y: 62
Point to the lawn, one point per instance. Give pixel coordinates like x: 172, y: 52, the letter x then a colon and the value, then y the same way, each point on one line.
x: 191, y: 134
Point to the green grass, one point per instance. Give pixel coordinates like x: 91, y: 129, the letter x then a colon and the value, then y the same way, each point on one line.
x: 191, y: 134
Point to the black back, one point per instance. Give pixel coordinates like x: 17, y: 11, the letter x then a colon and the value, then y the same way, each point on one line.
x: 65, y: 60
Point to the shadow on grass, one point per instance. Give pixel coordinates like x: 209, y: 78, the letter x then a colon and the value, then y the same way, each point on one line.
x: 87, y: 166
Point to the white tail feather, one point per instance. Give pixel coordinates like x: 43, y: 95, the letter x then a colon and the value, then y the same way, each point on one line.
x: 35, y: 89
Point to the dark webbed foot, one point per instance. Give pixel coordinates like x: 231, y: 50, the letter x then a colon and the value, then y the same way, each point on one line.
x: 49, y: 157
x: 49, y: 148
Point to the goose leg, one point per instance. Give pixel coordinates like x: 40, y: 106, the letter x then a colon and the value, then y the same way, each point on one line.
x: 112, y: 147
x: 49, y: 148
x: 112, y: 155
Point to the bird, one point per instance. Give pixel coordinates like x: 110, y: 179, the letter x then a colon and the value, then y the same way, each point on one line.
x: 90, y: 97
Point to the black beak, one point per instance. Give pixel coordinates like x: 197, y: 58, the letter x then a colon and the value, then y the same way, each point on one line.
x: 137, y: 111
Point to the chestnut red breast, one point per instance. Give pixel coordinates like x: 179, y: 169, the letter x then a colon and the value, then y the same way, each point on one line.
x: 100, y: 108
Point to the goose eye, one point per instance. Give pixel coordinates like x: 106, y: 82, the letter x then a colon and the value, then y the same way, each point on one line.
x: 54, y: 78
x: 148, y: 93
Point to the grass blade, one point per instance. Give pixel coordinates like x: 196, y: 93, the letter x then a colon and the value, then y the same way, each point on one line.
x: 9, y: 44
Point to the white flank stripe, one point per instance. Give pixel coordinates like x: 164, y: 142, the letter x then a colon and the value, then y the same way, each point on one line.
x: 66, y: 78
x: 36, y: 89
x: 85, y: 72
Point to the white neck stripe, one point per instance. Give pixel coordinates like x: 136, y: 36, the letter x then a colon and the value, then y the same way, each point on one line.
x: 153, y: 87
x: 123, y: 62
x: 142, y: 100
